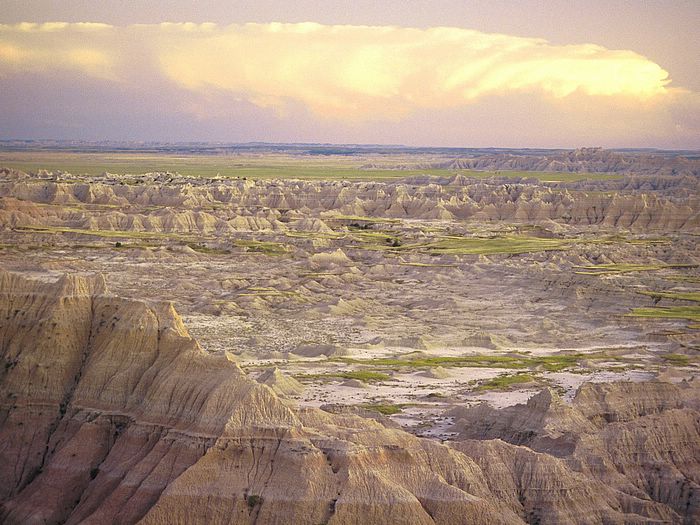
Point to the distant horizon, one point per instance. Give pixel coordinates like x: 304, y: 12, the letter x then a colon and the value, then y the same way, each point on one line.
x: 155, y: 142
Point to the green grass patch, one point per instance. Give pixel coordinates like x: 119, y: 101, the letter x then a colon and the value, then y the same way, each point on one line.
x: 427, y: 265
x: 613, y: 268
x: 314, y: 235
x: 272, y: 166
x: 690, y: 313
x: 509, y: 244
x: 550, y: 363
x: 202, y: 248
x: 545, y: 176
x: 362, y: 219
x: 111, y: 234
x: 680, y: 296
x: 677, y: 359
x: 684, y: 279
x: 270, y: 248
x: 383, y: 408
x: 254, y: 500
x: 505, y: 381
x: 366, y: 376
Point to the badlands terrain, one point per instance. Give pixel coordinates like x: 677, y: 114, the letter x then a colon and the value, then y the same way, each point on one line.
x: 349, y: 335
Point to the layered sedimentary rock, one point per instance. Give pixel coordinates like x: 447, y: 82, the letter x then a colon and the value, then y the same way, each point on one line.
x: 111, y: 413
x: 221, y: 206
x: 640, y: 438
x: 582, y: 160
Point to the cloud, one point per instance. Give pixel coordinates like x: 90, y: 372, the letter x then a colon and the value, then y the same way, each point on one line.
x: 346, y: 73
x: 80, y: 47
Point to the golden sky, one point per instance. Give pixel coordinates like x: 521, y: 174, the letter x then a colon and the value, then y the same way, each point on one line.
x: 313, y: 82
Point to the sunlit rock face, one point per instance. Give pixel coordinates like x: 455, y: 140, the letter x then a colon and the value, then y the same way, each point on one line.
x: 665, y: 199
x: 111, y: 412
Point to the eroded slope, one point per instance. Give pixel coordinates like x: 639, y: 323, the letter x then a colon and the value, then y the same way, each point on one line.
x: 112, y: 413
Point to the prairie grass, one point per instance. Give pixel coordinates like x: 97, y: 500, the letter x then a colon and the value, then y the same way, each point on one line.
x: 550, y: 363
x: 614, y: 268
x: 678, y: 296
x: 253, y: 167
x: 677, y: 359
x: 383, y: 408
x: 690, y: 313
x: 366, y: 376
x: 505, y: 381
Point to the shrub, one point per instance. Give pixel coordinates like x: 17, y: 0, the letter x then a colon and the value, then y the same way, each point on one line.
x: 254, y: 500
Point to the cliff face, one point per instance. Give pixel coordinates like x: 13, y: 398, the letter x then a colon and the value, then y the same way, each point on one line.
x: 111, y: 413
x: 98, y: 411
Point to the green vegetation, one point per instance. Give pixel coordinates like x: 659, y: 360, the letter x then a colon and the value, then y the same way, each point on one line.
x: 509, y: 244
x: 314, y: 235
x: 613, y: 268
x: 259, y: 291
x: 428, y: 265
x: 677, y: 359
x: 680, y: 296
x: 361, y: 220
x: 550, y: 363
x: 366, y: 376
x: 254, y: 500
x: 383, y: 408
x: 691, y: 313
x: 270, y: 248
x: 202, y: 248
x: 436, y: 395
x: 266, y: 247
x: 457, y: 245
x: 249, y: 167
x: 372, y: 236
x: 505, y: 381
x: 120, y: 234
x: 679, y: 278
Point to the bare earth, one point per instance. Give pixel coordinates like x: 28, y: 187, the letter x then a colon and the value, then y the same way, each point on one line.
x: 506, y: 320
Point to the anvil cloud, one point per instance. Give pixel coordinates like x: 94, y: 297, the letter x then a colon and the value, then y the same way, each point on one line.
x: 343, y: 74
x: 336, y: 71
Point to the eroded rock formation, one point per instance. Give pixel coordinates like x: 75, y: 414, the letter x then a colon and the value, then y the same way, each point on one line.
x: 225, y: 206
x: 111, y: 413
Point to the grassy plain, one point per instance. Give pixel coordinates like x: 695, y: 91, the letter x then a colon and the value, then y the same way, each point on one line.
x: 248, y: 166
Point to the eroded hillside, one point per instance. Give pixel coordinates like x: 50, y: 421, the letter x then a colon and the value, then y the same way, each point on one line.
x: 409, y: 297
x: 111, y: 412
x: 438, y: 346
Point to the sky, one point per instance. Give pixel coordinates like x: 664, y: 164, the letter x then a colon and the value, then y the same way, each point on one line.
x: 442, y: 73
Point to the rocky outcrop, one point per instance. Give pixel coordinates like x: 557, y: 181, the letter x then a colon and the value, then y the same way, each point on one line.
x: 280, y: 383
x: 643, y: 439
x: 111, y: 413
x: 595, y: 160
x: 205, y: 207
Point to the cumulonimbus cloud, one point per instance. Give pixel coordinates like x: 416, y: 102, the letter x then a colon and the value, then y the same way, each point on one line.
x: 344, y: 72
